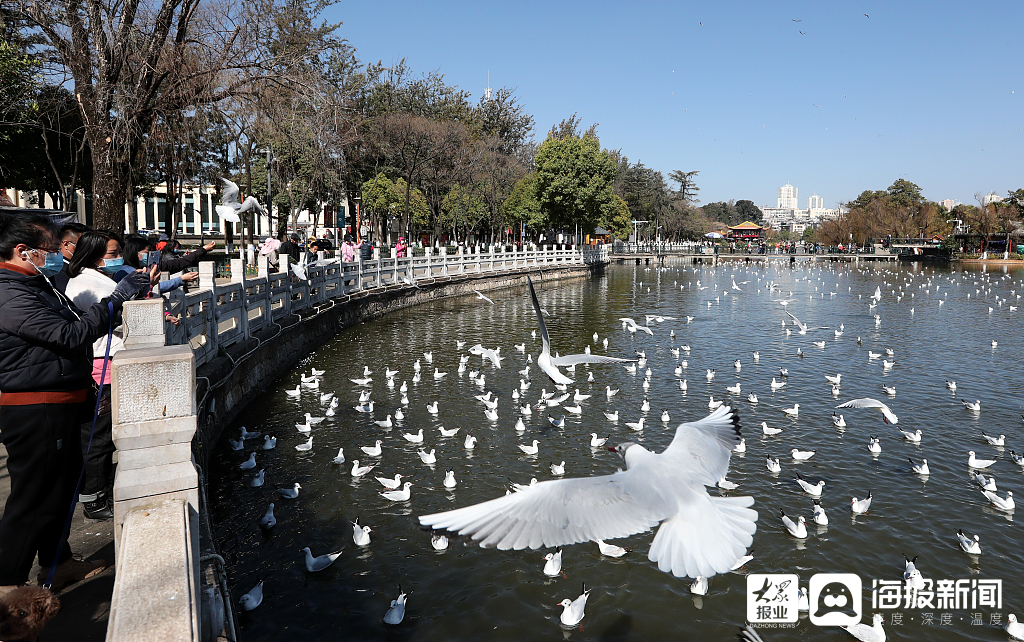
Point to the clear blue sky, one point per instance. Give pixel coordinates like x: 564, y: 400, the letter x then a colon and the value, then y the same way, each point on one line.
x: 927, y: 91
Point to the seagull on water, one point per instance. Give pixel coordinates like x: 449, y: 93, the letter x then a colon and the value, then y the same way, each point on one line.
x: 359, y: 471
x: 802, y: 455
x: 289, y: 493
x: 874, y: 447
x: 253, y: 598
x: 319, y: 563
x: 863, y: 632
x: 797, y: 529
x: 548, y: 364
x: 572, y: 610
x: 268, y: 520
x: 967, y: 544
x: 610, y: 550
x: 919, y: 469
x: 972, y: 405
x: 819, y: 517
x: 987, y: 483
x: 810, y: 489
x: 396, y: 612
x: 773, y: 465
x: 340, y: 457
x: 360, y: 534
x: 995, y: 441
x: 859, y: 506
x: 667, y: 488
x: 249, y: 463
x: 391, y: 484
x: 553, y: 563
x: 528, y: 449
x: 974, y: 462
x: 398, y: 495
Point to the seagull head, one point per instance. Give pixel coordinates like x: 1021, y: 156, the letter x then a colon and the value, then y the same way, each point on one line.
x: 621, y: 449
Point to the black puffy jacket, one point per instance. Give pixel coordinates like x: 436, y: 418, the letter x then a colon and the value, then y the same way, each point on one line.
x: 170, y: 263
x: 44, y: 346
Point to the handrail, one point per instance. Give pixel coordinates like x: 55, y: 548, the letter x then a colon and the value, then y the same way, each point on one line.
x: 217, y: 315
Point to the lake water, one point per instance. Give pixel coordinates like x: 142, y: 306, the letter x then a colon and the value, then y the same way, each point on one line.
x: 469, y: 593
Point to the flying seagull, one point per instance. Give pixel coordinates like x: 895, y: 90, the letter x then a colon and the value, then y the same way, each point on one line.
x: 548, y: 364
x: 874, y: 404
x: 699, y: 534
x: 230, y: 208
x: 480, y: 296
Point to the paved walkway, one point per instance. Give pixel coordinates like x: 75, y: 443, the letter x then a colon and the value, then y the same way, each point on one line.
x: 85, y: 606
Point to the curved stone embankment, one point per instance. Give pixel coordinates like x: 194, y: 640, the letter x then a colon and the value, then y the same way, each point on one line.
x: 236, y: 376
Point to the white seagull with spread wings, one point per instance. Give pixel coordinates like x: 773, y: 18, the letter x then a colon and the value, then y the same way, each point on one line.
x: 699, y: 534
x: 548, y: 364
x: 803, y: 326
x: 230, y: 208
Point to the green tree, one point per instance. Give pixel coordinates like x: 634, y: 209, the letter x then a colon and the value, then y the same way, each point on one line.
x: 574, y: 180
x: 463, y: 207
x: 687, y: 186
x: 747, y: 211
x: 522, y: 205
x: 616, y: 218
x: 903, y: 193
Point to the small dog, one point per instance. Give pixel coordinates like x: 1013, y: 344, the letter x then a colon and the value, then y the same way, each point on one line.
x: 25, y: 611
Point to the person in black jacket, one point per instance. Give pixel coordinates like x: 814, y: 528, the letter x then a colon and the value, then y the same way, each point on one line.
x: 45, y: 380
x: 291, y: 248
x: 173, y: 264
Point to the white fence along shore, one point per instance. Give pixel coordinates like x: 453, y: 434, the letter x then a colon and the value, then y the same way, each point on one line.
x: 221, y: 314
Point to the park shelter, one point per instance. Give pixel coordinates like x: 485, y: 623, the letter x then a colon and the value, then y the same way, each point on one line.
x: 746, y: 231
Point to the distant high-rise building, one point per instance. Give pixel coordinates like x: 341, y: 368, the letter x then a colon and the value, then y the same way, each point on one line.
x: 788, y: 197
x: 949, y: 203
x: 990, y: 198
x: 815, y: 202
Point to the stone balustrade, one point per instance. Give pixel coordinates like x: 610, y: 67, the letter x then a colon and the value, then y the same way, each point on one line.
x: 218, y: 315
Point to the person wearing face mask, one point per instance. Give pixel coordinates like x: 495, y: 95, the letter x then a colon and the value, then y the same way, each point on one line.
x: 69, y: 235
x: 45, y: 378
x: 96, y: 260
x: 136, y: 256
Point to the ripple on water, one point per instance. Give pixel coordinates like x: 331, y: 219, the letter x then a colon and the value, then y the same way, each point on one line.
x: 469, y: 593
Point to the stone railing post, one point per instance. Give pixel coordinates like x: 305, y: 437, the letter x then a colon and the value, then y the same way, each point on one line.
x: 156, y: 497
x: 143, y: 323
x: 443, y: 253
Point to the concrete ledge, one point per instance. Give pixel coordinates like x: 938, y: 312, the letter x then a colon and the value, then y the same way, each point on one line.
x: 154, y: 456
x: 158, y: 432
x: 154, y: 480
x: 155, y: 592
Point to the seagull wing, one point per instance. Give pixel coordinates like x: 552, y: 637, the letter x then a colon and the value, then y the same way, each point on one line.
x: 229, y: 196
x: 227, y: 213
x: 796, y: 320
x: 867, y: 402
x: 573, y: 359
x: 704, y: 446
x: 251, y: 203
x: 559, y: 512
x: 299, y: 271
x: 700, y: 535
x: 483, y: 297
x: 540, y: 317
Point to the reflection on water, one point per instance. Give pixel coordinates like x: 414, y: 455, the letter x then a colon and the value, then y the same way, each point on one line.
x: 936, y: 321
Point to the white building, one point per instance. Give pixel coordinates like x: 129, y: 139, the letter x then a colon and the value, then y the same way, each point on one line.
x: 990, y: 198
x: 788, y: 217
x: 196, y: 207
x: 949, y: 203
x: 788, y: 197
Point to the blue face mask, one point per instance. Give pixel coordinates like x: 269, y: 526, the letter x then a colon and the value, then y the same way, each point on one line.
x: 111, y: 266
x: 54, y: 263
x: 143, y: 257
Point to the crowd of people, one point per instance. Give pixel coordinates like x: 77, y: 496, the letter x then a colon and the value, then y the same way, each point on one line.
x: 61, y: 293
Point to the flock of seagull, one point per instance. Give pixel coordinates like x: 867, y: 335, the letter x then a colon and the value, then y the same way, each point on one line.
x: 699, y: 534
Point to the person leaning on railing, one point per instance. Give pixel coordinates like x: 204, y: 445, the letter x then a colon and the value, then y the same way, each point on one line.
x: 45, y: 379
